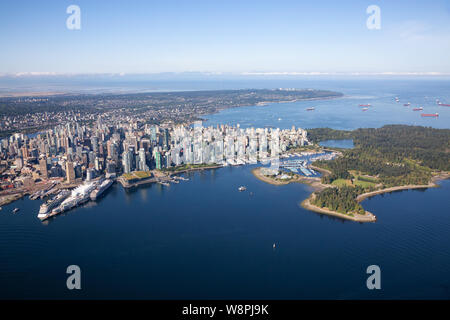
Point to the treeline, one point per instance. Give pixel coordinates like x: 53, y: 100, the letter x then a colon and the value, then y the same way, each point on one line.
x: 317, y: 135
x: 341, y: 199
x: 394, y: 155
x: 381, y: 150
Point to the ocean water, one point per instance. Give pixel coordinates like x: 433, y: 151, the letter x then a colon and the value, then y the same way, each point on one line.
x: 345, y: 113
x: 344, y: 144
x: 202, y: 239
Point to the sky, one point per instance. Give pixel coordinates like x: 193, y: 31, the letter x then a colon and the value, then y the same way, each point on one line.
x: 243, y: 37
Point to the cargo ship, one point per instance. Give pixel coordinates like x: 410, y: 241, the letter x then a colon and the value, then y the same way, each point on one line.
x: 418, y: 109
x: 101, y: 189
x: 310, y: 109
x: 52, y: 203
x: 430, y: 114
x: 365, y: 105
x: 443, y: 104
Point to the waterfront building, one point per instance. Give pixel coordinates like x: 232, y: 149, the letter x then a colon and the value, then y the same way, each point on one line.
x: 70, y: 172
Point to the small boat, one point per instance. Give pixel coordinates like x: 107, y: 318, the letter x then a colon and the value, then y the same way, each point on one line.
x: 365, y: 105
x: 397, y: 99
x: 407, y: 104
x: 365, y: 109
x: 274, y: 246
x: 242, y: 188
x: 310, y: 109
x: 15, y: 210
x: 418, y: 109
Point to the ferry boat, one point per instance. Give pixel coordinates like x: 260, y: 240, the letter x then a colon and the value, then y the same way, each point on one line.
x: 430, y: 114
x: 242, y: 188
x: 50, y: 204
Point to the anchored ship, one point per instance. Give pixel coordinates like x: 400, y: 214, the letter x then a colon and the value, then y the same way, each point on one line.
x: 52, y: 203
x: 78, y: 196
x: 101, y: 189
x: 430, y: 114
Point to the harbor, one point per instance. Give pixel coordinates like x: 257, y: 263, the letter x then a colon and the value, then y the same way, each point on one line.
x: 66, y: 200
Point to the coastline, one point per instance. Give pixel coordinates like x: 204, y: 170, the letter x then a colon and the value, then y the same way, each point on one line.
x: 7, y: 199
x: 318, y: 186
x: 440, y: 176
x: 367, y: 217
x: 313, y: 182
x: 166, y: 178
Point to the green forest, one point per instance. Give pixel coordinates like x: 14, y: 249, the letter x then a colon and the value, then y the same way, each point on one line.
x: 342, y: 200
x: 389, y: 156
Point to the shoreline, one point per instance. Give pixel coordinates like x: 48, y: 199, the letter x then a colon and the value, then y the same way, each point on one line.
x: 367, y: 217
x: 432, y: 184
x: 125, y: 184
x: 318, y: 186
x: 7, y: 199
x: 313, y: 182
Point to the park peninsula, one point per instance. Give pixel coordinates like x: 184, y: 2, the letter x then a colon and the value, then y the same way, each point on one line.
x: 387, y: 159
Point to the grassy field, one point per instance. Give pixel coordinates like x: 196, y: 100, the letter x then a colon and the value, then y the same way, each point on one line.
x: 341, y: 182
x: 364, y: 184
x: 137, y: 175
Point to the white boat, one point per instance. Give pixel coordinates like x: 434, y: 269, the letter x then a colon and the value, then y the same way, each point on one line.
x: 242, y: 188
x: 50, y: 204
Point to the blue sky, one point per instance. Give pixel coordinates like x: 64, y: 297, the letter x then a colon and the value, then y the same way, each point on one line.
x: 224, y: 36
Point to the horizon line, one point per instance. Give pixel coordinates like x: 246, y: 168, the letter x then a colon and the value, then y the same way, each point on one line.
x: 219, y: 73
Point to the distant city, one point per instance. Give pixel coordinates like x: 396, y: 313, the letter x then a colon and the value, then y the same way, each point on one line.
x: 89, y: 156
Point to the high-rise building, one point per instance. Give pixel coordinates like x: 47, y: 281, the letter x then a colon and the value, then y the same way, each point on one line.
x: 43, y: 168
x: 158, y: 160
x: 70, y: 172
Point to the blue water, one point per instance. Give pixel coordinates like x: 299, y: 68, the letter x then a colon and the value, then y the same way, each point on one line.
x: 203, y: 239
x: 344, y: 144
x: 345, y: 113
